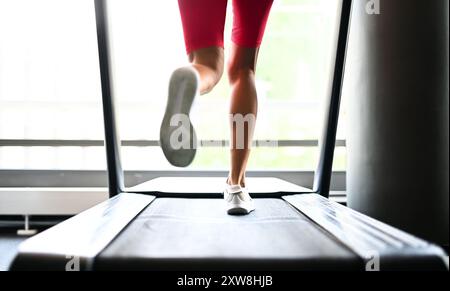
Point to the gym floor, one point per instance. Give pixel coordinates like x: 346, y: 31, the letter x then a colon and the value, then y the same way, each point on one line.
x: 9, y: 242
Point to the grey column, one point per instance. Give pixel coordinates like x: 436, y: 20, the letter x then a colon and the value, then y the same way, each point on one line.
x: 397, y: 94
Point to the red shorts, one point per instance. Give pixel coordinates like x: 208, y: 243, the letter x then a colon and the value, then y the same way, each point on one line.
x: 204, y: 21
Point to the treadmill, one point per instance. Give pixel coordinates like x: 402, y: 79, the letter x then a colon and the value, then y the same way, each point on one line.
x: 155, y: 226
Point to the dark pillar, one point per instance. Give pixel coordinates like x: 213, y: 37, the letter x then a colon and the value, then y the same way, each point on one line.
x: 397, y: 94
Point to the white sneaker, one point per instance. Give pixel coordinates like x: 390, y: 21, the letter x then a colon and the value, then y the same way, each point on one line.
x: 238, y: 200
x: 183, y: 88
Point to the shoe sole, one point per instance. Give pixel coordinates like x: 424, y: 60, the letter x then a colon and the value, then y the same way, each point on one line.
x: 182, y: 91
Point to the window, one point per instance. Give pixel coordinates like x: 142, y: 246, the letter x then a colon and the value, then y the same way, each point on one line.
x: 50, y: 85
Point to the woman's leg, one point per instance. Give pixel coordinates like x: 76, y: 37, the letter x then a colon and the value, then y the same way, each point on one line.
x: 203, y: 25
x: 250, y: 18
x: 243, y: 109
x: 208, y: 62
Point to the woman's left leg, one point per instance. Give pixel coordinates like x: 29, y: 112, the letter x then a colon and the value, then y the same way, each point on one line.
x: 203, y: 23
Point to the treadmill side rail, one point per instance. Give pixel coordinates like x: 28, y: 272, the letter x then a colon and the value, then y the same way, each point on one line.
x: 375, y: 242
x: 73, y: 244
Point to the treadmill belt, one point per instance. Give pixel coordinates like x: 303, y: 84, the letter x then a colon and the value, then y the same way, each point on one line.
x: 197, y: 233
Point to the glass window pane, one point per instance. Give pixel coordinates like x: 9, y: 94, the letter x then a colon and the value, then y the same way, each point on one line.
x: 50, y: 83
x: 49, y: 75
x: 293, y: 74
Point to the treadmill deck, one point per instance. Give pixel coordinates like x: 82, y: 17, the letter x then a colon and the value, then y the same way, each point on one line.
x: 172, y: 232
x: 295, y: 232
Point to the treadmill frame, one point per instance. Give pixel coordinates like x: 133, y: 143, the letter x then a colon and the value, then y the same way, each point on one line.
x: 327, y: 145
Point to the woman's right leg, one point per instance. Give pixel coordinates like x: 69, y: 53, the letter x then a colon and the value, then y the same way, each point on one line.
x: 244, y: 103
x: 250, y: 18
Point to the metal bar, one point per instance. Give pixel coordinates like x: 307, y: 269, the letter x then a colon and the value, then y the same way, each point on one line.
x: 112, y: 140
x: 151, y: 143
x: 323, y: 173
